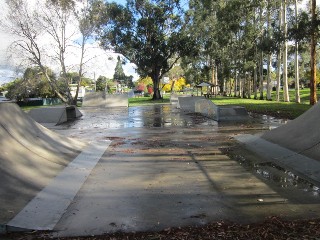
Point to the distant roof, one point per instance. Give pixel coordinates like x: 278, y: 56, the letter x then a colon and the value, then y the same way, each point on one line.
x: 203, y: 84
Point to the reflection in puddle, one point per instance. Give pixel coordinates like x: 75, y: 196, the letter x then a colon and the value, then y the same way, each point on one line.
x: 162, y: 115
x: 278, y: 175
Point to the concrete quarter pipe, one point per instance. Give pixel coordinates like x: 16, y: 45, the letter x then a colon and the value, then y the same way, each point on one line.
x: 30, y: 156
x: 301, y: 135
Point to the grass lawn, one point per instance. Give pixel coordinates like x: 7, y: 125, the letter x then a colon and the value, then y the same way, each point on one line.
x: 280, y: 109
x: 138, y: 101
x: 289, y: 110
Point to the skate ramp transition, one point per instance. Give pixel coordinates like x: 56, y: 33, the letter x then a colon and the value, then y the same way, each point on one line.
x: 101, y: 99
x: 302, y: 135
x: 30, y: 156
x: 56, y: 115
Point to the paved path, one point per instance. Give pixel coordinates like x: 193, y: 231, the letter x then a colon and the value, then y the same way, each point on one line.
x: 166, y: 169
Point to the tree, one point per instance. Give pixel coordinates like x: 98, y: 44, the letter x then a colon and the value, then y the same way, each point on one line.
x: 101, y: 84
x: 118, y: 71
x: 307, y: 30
x: 179, y: 84
x: 149, y: 33
x: 32, y: 84
x: 49, y: 20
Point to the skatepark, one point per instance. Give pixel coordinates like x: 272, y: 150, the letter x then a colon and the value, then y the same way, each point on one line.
x: 153, y: 167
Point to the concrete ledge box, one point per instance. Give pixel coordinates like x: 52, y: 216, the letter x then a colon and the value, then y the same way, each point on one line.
x: 218, y: 113
x: 56, y: 115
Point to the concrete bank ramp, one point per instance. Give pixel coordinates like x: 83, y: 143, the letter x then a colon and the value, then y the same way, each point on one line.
x: 174, y: 97
x: 56, y: 115
x: 211, y: 110
x: 221, y: 113
x: 301, y: 135
x: 30, y: 157
x: 101, y: 99
x: 188, y: 103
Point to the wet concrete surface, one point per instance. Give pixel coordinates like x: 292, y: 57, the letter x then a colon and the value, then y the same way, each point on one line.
x: 167, y: 168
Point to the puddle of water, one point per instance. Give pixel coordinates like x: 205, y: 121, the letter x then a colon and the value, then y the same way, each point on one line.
x: 278, y: 175
x: 270, y: 121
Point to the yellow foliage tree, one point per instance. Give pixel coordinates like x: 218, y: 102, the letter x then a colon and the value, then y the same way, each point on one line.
x: 146, y: 81
x: 178, y: 85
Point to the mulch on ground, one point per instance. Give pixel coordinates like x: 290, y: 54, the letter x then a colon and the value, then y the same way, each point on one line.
x: 272, y: 228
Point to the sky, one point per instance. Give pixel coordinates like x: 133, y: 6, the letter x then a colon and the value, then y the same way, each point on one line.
x: 102, y: 62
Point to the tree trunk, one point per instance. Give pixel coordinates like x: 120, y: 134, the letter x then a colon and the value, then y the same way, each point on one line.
x: 249, y: 87
x: 255, y: 80
x: 236, y: 83
x: 156, y: 85
x: 269, y: 57
x: 313, y: 43
x: 44, y: 71
x: 269, y: 78
x: 296, y: 59
x: 261, y: 77
x: 172, y: 86
x: 285, y: 55
x: 279, y: 58
x: 216, y: 88
x: 278, y: 76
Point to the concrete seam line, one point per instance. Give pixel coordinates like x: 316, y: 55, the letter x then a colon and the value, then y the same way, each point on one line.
x: 45, y: 210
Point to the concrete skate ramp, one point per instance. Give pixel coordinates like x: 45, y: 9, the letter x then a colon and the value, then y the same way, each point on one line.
x: 30, y: 156
x: 116, y: 100
x: 302, y: 135
x: 56, y: 115
x: 94, y: 99
x: 100, y: 99
x: 174, y: 97
x: 188, y: 103
x: 207, y: 108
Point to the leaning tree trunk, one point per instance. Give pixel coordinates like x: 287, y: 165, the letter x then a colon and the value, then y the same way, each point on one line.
x: 51, y: 83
